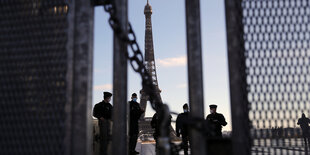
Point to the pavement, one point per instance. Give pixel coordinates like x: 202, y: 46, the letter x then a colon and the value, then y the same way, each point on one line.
x: 148, y: 148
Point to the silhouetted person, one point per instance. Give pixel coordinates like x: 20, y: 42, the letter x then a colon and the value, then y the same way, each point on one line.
x: 215, y: 122
x: 103, y: 112
x: 304, y: 125
x: 135, y: 114
x: 182, y: 128
x: 155, y: 124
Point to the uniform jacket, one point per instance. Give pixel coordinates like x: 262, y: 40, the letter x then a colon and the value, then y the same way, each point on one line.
x: 155, y: 123
x: 181, y: 127
x: 135, y: 114
x: 103, y: 109
x: 215, y: 122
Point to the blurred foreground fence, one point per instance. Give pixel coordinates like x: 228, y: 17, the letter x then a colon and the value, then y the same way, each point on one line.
x: 45, y: 76
x: 269, y: 56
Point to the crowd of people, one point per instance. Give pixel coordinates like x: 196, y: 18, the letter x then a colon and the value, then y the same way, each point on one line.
x: 103, y: 112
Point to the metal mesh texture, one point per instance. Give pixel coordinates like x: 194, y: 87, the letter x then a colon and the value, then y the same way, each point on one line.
x: 276, y: 34
x: 33, y: 70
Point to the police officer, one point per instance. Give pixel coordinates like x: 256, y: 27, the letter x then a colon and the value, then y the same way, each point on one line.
x: 135, y: 114
x: 182, y: 128
x: 304, y: 125
x: 103, y: 112
x: 215, y: 121
x: 155, y: 124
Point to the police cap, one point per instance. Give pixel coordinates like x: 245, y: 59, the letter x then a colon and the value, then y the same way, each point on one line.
x: 213, y: 106
x: 107, y: 94
x: 185, y: 106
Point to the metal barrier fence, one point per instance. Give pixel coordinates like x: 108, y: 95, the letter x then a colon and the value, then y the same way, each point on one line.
x: 45, y: 76
x: 269, y: 66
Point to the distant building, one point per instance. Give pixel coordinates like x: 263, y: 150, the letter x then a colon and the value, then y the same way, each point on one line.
x: 146, y: 131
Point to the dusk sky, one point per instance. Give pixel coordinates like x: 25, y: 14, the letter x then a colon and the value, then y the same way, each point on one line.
x: 169, y: 35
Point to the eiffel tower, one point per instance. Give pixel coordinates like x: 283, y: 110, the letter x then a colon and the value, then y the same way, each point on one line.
x: 145, y: 122
x: 149, y: 55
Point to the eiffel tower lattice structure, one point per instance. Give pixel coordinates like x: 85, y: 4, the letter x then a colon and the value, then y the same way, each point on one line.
x: 149, y: 56
x: 145, y: 122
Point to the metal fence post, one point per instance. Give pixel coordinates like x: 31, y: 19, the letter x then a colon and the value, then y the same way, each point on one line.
x: 194, y: 59
x: 119, y: 139
x: 81, y: 132
x: 237, y: 78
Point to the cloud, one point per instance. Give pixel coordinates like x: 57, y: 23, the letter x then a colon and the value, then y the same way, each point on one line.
x: 103, y: 87
x: 172, y: 62
x: 183, y: 85
x: 103, y: 69
x: 98, y: 70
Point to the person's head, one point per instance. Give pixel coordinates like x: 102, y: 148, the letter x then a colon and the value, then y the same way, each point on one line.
x: 107, y: 96
x: 185, y: 107
x: 134, y: 97
x: 303, y: 115
x: 213, y: 108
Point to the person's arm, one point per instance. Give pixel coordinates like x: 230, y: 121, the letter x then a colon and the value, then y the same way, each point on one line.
x: 298, y: 122
x: 177, y: 126
x: 153, y: 122
x: 139, y: 110
x: 96, y: 112
x: 223, y: 121
x: 135, y: 110
x: 111, y: 112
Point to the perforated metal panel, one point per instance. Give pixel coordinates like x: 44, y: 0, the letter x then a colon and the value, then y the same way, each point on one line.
x: 276, y: 35
x: 36, y: 73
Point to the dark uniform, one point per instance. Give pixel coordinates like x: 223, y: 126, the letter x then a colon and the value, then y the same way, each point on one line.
x: 182, y: 128
x: 304, y: 125
x: 215, y: 121
x: 103, y: 109
x: 135, y: 114
x: 155, y: 124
